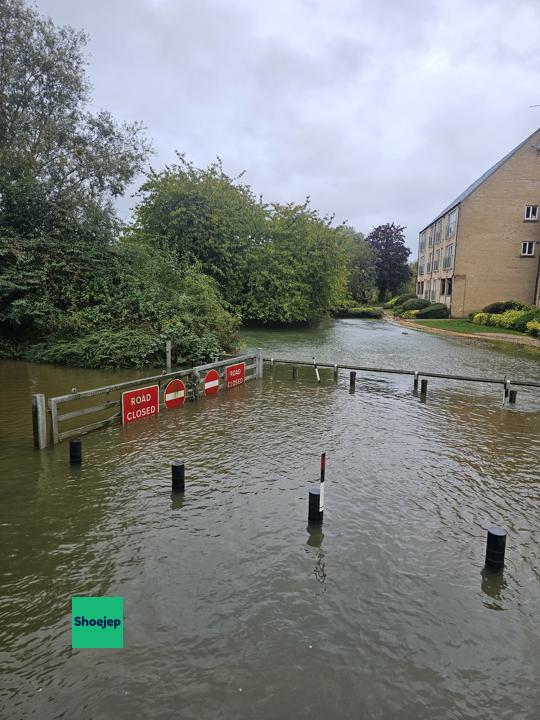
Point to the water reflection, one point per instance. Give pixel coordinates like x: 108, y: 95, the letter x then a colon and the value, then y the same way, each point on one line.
x: 493, y: 584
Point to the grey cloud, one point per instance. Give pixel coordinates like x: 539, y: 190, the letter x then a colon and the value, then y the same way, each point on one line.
x: 379, y: 112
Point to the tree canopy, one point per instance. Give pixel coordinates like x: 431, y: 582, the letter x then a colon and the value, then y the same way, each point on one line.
x: 391, y: 266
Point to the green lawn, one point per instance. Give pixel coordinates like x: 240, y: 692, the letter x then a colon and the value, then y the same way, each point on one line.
x: 464, y: 326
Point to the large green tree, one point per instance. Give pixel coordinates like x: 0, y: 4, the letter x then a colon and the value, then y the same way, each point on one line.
x: 391, y: 266
x: 361, y: 260
x: 70, y: 290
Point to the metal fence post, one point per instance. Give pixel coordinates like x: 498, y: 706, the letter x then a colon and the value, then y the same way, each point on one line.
x: 39, y: 420
x: 260, y: 363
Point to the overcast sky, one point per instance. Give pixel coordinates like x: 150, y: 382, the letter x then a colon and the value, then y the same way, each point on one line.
x: 380, y: 111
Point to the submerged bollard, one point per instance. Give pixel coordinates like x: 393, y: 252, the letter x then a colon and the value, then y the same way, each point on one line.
x: 75, y: 451
x: 294, y: 371
x: 316, y: 498
x: 495, y: 548
x: 415, y: 383
x: 423, y: 388
x: 512, y: 397
x: 352, y: 380
x: 178, y: 475
x: 335, y: 373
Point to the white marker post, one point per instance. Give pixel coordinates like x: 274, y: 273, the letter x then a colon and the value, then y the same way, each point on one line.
x: 323, y: 472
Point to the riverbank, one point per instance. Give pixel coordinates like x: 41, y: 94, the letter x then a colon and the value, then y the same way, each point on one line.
x: 489, y: 337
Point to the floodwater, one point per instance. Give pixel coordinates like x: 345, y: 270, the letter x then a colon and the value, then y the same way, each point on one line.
x: 232, y: 608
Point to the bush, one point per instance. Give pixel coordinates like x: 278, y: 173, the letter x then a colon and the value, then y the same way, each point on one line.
x: 471, y: 315
x: 403, y: 298
x: 498, y: 308
x: 525, y: 317
x: 481, y: 318
x: 390, y: 304
x: 533, y: 328
x: 362, y: 312
x: 409, y: 314
x: 414, y: 304
x: 437, y: 310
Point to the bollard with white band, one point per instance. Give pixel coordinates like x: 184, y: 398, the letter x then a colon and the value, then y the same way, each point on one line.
x: 316, y: 498
x: 415, y: 384
x: 316, y: 371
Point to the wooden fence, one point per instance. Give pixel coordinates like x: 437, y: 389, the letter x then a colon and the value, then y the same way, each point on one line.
x: 46, y: 414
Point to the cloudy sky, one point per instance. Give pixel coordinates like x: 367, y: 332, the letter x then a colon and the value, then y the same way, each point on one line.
x: 379, y: 111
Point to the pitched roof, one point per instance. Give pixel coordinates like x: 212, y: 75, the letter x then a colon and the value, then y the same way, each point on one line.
x: 481, y: 179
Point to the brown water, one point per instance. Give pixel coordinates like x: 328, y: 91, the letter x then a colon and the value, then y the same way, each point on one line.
x: 232, y: 609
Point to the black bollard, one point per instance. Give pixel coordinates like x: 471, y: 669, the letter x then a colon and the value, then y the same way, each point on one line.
x: 75, y: 452
x: 294, y: 372
x: 423, y: 388
x: 415, y: 384
x: 315, y: 516
x: 495, y: 547
x: 352, y: 380
x: 512, y: 397
x: 178, y: 476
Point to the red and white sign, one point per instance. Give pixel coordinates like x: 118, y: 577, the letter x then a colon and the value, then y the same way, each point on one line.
x: 235, y: 375
x: 211, y: 382
x: 140, y: 403
x: 175, y: 394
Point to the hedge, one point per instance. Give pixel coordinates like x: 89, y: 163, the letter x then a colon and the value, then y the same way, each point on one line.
x: 497, y: 308
x: 413, y: 304
x: 362, y: 312
x: 519, y: 320
x: 437, y: 310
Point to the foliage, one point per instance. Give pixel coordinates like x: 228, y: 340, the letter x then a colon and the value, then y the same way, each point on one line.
x: 410, y: 314
x: 362, y: 312
x: 533, y: 328
x: 517, y: 320
x: 412, y: 304
x: 501, y: 306
x: 360, y: 260
x: 274, y: 263
x: 437, y: 310
x: 391, y: 265
x: 398, y: 300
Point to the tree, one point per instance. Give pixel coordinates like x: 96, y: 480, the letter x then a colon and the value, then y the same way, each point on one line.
x: 361, y: 259
x: 60, y: 165
x: 391, y: 264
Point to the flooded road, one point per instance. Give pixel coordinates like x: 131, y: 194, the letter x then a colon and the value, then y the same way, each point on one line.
x: 232, y: 608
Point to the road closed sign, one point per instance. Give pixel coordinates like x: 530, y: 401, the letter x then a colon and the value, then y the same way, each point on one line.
x: 211, y: 382
x: 175, y: 394
x: 235, y: 375
x: 140, y: 403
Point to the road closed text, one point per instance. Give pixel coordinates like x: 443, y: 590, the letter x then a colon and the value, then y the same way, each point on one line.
x: 140, y: 403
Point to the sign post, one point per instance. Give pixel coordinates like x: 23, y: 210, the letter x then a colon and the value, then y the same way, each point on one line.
x: 323, y: 472
x: 140, y: 403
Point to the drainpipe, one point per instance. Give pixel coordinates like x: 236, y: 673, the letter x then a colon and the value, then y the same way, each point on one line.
x: 536, y: 299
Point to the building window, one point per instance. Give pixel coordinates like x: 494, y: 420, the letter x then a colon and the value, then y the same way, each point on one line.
x: 531, y: 212
x: 436, y: 261
x: 443, y: 286
x: 422, y: 242
x: 452, y: 222
x: 449, y: 286
x: 430, y: 237
x: 527, y: 248
x: 421, y: 265
x: 448, y: 257
x: 438, y: 232
x: 429, y: 262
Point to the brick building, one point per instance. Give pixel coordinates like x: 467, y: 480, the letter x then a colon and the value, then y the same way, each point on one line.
x: 485, y: 246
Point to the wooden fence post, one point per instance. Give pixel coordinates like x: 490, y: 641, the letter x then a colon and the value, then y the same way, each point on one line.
x: 168, y: 347
x: 39, y: 420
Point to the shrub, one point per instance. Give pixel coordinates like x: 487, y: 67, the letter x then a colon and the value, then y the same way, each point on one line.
x: 471, y: 315
x: 497, y: 308
x: 362, y: 312
x: 390, y: 304
x: 414, y: 304
x: 409, y: 314
x: 437, y: 310
x: 525, y: 317
x: 533, y: 328
x: 482, y: 318
x: 403, y: 298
